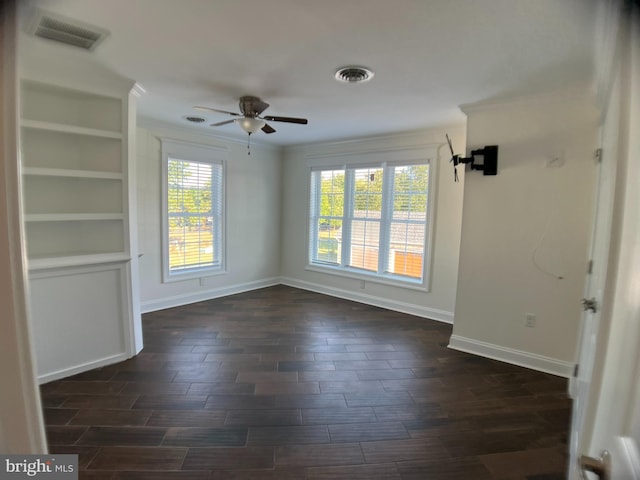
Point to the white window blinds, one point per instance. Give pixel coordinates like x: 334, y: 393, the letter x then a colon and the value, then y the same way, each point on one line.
x: 194, y: 210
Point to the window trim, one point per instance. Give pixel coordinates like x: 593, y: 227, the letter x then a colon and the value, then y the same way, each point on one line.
x: 196, y: 153
x: 419, y: 154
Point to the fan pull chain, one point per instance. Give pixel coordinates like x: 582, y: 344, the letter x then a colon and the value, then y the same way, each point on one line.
x: 249, y: 144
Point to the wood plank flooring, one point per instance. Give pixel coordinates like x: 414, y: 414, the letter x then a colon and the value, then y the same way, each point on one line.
x: 280, y: 383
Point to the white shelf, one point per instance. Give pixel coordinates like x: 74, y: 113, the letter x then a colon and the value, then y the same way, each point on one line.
x: 72, y: 217
x: 53, y: 235
x: 64, y: 128
x: 69, y: 173
x: 64, y: 192
x: 45, y: 263
x: 54, y: 107
x: 68, y: 151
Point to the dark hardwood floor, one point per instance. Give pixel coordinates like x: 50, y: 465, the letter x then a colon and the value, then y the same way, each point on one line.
x: 281, y: 383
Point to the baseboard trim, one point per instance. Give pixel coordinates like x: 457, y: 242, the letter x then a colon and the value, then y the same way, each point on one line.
x: 512, y: 356
x: 67, y: 372
x: 409, y: 308
x: 202, y: 295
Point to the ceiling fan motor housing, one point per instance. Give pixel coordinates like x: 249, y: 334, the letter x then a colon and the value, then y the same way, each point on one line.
x: 251, y: 106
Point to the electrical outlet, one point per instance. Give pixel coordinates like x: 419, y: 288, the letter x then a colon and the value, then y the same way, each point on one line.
x: 530, y: 320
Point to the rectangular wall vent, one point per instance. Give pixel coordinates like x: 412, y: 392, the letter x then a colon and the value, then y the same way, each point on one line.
x: 65, y: 30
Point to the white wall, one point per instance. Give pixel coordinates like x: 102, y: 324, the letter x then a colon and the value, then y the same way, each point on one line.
x: 524, y: 228
x: 439, y: 302
x: 253, y: 219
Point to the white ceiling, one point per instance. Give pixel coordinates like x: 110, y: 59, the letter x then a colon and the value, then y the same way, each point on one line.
x: 429, y: 57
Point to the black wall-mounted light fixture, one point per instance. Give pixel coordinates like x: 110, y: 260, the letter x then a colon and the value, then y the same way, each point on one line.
x: 485, y: 159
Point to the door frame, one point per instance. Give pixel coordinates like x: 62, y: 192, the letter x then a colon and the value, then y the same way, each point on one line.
x: 21, y: 422
x: 615, y: 402
x: 615, y: 381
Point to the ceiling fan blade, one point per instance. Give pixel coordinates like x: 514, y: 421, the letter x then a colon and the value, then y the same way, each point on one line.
x: 268, y: 128
x: 302, y: 121
x: 209, y: 109
x: 219, y: 124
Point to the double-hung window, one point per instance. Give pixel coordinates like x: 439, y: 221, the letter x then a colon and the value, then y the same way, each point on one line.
x: 371, y: 221
x: 193, y: 210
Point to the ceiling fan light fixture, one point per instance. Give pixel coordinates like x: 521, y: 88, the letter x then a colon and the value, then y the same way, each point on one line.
x: 353, y: 74
x: 250, y: 124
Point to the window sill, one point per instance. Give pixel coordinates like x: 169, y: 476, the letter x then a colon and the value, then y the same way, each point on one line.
x: 419, y: 285
x: 192, y: 275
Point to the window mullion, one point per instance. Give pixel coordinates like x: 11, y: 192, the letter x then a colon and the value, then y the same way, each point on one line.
x: 386, y: 217
x: 316, y: 180
x: 349, y: 192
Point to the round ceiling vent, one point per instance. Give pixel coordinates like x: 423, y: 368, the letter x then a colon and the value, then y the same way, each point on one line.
x: 194, y: 119
x: 354, y: 74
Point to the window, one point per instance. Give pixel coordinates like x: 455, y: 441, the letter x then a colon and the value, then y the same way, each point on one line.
x: 371, y: 221
x: 193, y: 213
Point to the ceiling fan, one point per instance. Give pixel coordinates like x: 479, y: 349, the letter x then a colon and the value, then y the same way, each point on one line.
x: 250, y: 120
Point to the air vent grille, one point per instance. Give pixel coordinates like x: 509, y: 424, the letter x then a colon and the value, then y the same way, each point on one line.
x: 353, y: 74
x: 67, y: 31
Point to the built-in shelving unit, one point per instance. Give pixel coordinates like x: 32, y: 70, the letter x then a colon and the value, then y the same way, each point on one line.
x: 77, y: 180
x: 74, y: 188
